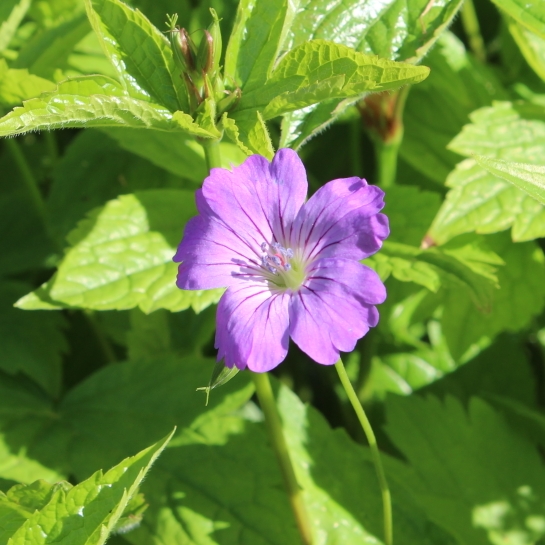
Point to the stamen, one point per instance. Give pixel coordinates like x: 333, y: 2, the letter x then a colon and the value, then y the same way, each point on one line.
x: 275, y: 257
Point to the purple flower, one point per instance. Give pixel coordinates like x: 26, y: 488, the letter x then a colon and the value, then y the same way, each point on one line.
x: 291, y: 268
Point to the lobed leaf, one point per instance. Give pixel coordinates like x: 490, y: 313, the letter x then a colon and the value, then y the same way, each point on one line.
x: 484, y: 202
x: 475, y: 476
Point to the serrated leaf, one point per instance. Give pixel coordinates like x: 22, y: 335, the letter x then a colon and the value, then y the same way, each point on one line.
x: 249, y: 132
x: 396, y: 30
x: 140, y: 53
x: 318, y: 70
x: 475, y: 476
x: 19, y: 85
x: 462, y: 264
x: 85, y: 102
x: 483, y: 202
x: 87, y: 513
x: 121, y: 257
x: 48, y: 51
x: 529, y: 178
x: 12, y: 13
x: 530, y: 13
x: 520, y: 297
x: 32, y: 344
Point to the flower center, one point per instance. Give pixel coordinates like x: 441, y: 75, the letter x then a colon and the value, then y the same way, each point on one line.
x: 285, y: 270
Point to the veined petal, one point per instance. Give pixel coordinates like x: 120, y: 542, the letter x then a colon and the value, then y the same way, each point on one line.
x: 252, y: 327
x: 335, y: 308
x: 213, y: 256
x: 258, y: 197
x: 341, y: 220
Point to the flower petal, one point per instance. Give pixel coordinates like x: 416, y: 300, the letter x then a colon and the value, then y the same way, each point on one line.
x: 341, y: 220
x: 252, y: 327
x: 335, y: 308
x: 258, y: 198
x: 213, y: 256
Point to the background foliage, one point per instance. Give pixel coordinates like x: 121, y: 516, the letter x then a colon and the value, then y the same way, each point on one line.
x: 106, y: 356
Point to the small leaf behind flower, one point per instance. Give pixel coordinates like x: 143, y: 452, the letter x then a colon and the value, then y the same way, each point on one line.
x: 220, y: 376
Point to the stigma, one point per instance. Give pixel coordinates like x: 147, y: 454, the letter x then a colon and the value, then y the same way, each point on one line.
x: 275, y: 257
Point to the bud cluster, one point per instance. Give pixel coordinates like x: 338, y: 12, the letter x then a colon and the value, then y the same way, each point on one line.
x: 200, y: 66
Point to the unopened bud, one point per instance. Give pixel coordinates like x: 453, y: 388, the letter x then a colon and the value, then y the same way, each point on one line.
x: 209, y: 54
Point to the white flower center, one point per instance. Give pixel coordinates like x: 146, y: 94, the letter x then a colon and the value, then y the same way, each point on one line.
x: 282, y: 267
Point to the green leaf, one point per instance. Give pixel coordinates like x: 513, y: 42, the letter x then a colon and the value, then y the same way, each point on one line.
x: 139, y: 52
x: 481, y: 201
x: 232, y: 464
x: 530, y: 14
x: 397, y: 30
x: 149, y: 335
x: 121, y: 257
x: 521, y: 296
x: 124, y: 406
x: 394, y: 30
x: 439, y: 107
x: 88, y: 512
x: 179, y: 154
x: 19, y: 85
x: 529, y: 178
x: 531, y: 46
x: 94, y: 170
x: 24, y: 413
x: 462, y: 263
x: 20, y: 502
x: 249, y: 132
x: 48, y: 52
x: 12, y: 13
x: 94, y: 101
x: 474, y: 476
x: 28, y: 245
x: 318, y: 70
x: 256, y: 40
x: 32, y: 343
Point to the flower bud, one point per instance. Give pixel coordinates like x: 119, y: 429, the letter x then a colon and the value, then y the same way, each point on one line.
x: 209, y: 54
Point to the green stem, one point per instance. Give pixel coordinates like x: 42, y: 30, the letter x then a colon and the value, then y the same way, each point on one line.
x: 52, y: 148
x: 386, y: 156
x: 211, y: 152
x: 470, y: 23
x: 27, y: 177
x: 102, y: 340
x: 355, y: 148
x: 375, y: 453
x: 278, y: 442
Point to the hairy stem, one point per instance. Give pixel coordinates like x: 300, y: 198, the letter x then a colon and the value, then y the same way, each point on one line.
x: 278, y: 443
x: 470, y: 23
x: 375, y: 453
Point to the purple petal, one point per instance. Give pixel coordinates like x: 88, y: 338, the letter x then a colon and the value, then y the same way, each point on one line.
x: 214, y: 256
x: 252, y: 327
x: 342, y: 220
x: 335, y: 308
x: 258, y: 198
